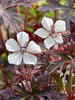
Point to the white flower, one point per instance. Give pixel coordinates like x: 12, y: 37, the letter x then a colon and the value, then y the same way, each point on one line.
x: 22, y: 50
x: 51, y: 32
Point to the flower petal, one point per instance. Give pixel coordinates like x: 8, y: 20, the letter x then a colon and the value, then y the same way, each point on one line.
x: 15, y: 58
x: 42, y: 33
x: 29, y: 58
x: 60, y: 26
x: 49, y: 42
x: 56, y: 45
x: 59, y: 39
x: 47, y: 23
x: 33, y: 47
x: 23, y: 38
x: 12, y: 45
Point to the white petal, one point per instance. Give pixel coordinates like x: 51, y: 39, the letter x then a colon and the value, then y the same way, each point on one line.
x: 12, y: 45
x: 60, y: 26
x: 59, y: 39
x: 47, y: 23
x: 42, y: 33
x: 29, y: 58
x: 56, y: 46
x: 15, y: 58
x: 23, y: 38
x: 33, y: 47
x: 49, y: 42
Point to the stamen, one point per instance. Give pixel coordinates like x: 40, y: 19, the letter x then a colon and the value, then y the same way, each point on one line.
x: 53, y: 34
x: 52, y: 31
x: 23, y: 49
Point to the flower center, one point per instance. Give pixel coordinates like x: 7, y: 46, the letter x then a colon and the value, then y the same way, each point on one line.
x: 53, y: 34
x: 53, y: 31
x: 23, y: 49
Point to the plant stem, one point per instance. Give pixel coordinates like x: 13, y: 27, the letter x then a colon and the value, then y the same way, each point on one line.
x: 25, y: 21
x: 56, y: 12
x: 18, y: 11
x: 3, y: 36
x: 70, y: 81
x: 3, y: 33
x: 8, y: 33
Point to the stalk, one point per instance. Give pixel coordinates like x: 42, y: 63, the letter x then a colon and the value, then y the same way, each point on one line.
x: 3, y: 33
x: 25, y: 21
x: 3, y: 36
x: 70, y: 83
x: 56, y: 12
x: 8, y: 34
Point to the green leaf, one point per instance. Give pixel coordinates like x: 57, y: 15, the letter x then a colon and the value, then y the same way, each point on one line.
x: 10, y: 75
x: 34, y: 86
x: 29, y: 29
x: 50, y: 14
x: 33, y: 12
x: 2, y: 84
x: 58, y: 80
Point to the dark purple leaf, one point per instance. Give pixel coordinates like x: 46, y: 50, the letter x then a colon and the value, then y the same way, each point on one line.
x: 5, y: 94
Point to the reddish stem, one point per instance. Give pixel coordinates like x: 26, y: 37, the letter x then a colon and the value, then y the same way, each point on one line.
x: 3, y: 36
x: 25, y: 21
x: 70, y: 81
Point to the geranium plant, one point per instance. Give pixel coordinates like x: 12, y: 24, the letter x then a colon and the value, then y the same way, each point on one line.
x: 37, y: 50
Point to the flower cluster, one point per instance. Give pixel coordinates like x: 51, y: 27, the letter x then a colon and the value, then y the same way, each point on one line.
x: 23, y: 50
